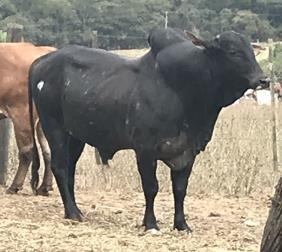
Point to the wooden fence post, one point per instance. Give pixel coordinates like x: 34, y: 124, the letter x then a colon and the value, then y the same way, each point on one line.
x: 94, y: 39
x: 4, y: 142
x: 273, y: 112
x: 14, y: 34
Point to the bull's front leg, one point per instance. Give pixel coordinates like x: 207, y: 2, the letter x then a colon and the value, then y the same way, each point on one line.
x: 179, y: 185
x: 147, y: 169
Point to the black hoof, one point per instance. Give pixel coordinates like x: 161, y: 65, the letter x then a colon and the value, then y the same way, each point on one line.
x: 150, y: 226
x: 182, y: 227
x: 75, y: 215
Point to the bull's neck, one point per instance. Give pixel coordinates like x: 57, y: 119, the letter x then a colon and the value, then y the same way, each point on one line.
x: 227, y: 86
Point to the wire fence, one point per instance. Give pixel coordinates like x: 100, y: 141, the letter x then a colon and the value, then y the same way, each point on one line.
x: 135, y: 37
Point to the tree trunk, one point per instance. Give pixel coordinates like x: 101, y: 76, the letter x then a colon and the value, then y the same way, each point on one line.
x: 272, y: 235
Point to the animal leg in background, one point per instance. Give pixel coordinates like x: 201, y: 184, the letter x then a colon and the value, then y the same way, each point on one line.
x: 24, y: 144
x: 46, y: 185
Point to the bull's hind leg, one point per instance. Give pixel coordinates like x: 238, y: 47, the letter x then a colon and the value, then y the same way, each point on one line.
x: 179, y: 186
x: 46, y: 185
x: 147, y: 168
x: 24, y: 143
x: 59, y: 141
x: 75, y: 149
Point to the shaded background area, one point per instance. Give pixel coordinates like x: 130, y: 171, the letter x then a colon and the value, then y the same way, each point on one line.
x: 124, y: 24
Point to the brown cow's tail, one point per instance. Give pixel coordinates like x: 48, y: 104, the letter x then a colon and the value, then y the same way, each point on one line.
x: 35, y: 156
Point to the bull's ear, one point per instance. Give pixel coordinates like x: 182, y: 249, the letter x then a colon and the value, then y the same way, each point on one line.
x: 199, y: 42
x: 256, y: 46
x: 196, y: 41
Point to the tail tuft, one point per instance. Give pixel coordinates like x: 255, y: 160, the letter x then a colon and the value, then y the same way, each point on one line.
x: 35, y: 156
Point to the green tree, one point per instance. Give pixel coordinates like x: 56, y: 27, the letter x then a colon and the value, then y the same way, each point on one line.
x: 7, y: 8
x: 126, y: 23
x: 250, y: 24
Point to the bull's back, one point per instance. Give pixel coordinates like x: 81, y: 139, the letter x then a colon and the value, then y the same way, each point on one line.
x: 102, y: 98
x: 92, y: 81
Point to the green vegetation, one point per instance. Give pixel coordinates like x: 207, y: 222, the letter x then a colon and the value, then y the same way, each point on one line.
x: 125, y: 23
x: 3, y: 36
x: 277, y: 63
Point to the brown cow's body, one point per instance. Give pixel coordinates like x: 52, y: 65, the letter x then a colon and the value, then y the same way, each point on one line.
x: 15, y: 60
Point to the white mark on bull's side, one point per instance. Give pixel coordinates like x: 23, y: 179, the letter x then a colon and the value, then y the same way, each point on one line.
x: 70, y: 133
x: 40, y: 85
x: 217, y: 36
x: 91, y: 123
x: 68, y: 82
x: 156, y: 65
x: 168, y: 143
x: 84, y: 76
x: 86, y: 92
x: 137, y: 105
x: 103, y: 73
x: 127, y: 121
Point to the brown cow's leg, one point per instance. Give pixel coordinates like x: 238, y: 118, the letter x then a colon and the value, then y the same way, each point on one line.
x: 46, y: 185
x: 24, y: 142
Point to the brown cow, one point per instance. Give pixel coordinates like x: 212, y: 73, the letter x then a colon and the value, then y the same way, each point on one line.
x: 15, y: 60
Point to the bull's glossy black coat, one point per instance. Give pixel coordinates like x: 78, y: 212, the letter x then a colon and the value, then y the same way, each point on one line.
x: 163, y: 106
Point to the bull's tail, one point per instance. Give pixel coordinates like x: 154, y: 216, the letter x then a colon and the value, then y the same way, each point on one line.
x: 35, y: 156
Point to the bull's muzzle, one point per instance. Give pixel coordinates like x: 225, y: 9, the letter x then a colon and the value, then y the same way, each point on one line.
x: 263, y: 83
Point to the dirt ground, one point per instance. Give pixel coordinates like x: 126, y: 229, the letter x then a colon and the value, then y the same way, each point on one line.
x: 220, y: 224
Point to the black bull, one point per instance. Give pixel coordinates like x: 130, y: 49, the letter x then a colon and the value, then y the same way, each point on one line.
x: 163, y: 106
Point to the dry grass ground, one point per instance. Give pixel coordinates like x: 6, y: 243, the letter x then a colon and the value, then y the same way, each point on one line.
x: 220, y: 224
x: 227, y: 204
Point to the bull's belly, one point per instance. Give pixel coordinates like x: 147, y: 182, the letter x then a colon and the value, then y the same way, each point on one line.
x: 112, y: 127
x: 110, y: 138
x: 105, y: 134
